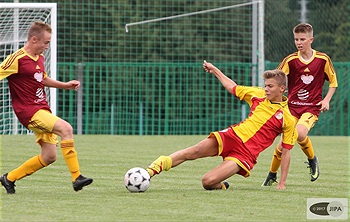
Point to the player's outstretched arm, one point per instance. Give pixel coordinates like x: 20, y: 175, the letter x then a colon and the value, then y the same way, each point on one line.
x: 73, y: 84
x: 225, y: 81
x: 285, y: 162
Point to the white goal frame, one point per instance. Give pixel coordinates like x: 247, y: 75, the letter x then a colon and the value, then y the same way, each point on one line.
x: 17, y: 37
x: 258, y: 14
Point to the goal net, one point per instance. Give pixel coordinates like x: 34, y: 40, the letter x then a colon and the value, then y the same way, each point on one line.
x: 15, y: 21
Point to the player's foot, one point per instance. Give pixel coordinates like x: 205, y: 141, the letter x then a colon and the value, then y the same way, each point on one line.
x: 160, y: 164
x: 225, y: 185
x: 270, y: 179
x: 9, y: 186
x: 314, y: 168
x: 150, y: 172
x: 155, y: 168
x: 81, y: 182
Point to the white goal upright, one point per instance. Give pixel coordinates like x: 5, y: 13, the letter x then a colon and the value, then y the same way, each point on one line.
x: 15, y: 21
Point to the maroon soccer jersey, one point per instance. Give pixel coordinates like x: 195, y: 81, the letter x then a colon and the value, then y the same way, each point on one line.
x: 305, y: 81
x: 25, y: 76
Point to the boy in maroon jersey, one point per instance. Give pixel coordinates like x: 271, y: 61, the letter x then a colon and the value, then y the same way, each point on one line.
x: 240, y: 144
x: 27, y: 78
x: 307, y: 70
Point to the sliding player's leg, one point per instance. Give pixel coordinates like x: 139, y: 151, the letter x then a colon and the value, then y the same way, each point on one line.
x: 216, y: 178
x: 205, y: 148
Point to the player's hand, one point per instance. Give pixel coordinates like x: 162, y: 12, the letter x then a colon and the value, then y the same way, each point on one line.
x: 324, y: 105
x: 207, y: 66
x: 281, y: 186
x: 73, y: 84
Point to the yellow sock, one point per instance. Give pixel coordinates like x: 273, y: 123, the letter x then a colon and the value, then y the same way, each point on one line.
x: 276, y: 160
x: 27, y: 168
x: 307, y: 148
x: 71, y: 158
x: 160, y: 164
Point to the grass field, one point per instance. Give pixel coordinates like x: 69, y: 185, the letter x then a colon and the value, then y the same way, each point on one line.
x: 176, y: 195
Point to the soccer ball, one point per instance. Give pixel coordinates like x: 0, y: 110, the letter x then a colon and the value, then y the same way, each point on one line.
x: 137, y: 179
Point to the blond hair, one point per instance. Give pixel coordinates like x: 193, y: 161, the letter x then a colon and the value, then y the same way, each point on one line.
x: 37, y: 29
x: 278, y: 75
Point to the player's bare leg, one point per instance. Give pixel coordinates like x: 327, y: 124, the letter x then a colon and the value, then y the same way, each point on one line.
x: 205, y: 148
x: 215, y: 179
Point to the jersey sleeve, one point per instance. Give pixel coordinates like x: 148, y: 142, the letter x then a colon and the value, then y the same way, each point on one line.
x: 330, y: 72
x: 246, y: 93
x: 284, y: 66
x: 8, y: 67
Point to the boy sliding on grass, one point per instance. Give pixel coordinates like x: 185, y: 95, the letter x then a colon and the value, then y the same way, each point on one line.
x: 240, y: 144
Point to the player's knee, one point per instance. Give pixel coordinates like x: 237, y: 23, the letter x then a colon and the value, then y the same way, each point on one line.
x: 302, y: 132
x: 301, y: 137
x: 49, y: 158
x: 69, y: 129
x: 208, y: 183
x: 65, y: 130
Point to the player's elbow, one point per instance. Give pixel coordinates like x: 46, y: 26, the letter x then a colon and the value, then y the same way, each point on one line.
x: 229, y: 87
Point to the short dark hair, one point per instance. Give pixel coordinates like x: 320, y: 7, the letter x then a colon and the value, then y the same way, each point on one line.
x: 303, y: 28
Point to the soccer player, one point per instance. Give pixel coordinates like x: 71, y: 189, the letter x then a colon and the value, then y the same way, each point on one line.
x: 306, y: 70
x: 240, y: 144
x: 26, y: 75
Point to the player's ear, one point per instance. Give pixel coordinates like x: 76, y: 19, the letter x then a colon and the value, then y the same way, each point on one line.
x: 311, y: 39
x: 282, y: 88
x: 34, y: 39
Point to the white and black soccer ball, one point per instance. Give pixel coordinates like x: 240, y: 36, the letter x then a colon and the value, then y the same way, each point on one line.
x: 137, y: 179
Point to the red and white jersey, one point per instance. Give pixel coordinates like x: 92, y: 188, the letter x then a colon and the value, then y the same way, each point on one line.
x: 25, y: 76
x: 306, y: 80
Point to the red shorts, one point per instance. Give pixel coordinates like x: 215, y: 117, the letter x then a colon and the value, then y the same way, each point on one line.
x: 231, y: 147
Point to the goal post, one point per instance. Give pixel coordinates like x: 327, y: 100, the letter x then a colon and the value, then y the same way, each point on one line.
x: 257, y: 31
x: 15, y: 21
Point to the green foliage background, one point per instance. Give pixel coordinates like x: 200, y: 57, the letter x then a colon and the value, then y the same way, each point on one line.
x: 156, y: 67
x: 329, y: 18
x: 94, y: 31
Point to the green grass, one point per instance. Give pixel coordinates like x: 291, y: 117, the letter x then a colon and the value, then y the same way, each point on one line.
x: 176, y: 195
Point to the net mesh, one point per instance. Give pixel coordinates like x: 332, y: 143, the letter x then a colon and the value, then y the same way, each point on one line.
x: 150, y: 80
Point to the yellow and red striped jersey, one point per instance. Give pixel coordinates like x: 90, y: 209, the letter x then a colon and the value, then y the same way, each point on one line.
x: 265, y: 121
x: 25, y: 76
x: 305, y: 81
